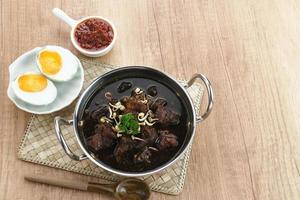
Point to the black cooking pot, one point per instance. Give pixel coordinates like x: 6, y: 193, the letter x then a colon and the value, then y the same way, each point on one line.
x: 135, y: 72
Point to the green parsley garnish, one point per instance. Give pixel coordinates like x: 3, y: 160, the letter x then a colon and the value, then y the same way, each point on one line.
x: 129, y: 124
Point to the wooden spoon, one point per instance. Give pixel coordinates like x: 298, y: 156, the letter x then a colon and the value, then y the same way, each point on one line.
x: 129, y: 189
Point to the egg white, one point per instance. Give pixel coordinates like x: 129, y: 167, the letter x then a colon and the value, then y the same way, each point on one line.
x: 44, y: 97
x: 69, y: 64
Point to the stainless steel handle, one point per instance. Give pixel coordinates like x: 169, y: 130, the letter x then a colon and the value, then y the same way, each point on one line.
x: 210, y: 94
x: 57, y: 122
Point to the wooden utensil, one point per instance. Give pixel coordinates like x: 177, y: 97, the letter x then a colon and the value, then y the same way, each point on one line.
x: 129, y: 189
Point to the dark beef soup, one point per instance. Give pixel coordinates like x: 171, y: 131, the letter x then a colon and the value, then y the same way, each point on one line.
x: 134, y: 124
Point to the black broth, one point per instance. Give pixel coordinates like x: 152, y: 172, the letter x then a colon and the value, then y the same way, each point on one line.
x: 159, y: 158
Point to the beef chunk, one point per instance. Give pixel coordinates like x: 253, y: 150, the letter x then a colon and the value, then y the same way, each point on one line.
x: 100, y: 112
x: 92, y: 118
x: 166, y: 140
x: 158, y: 102
x: 124, y: 146
x: 142, y: 157
x: 165, y: 115
x: 149, y: 134
x: 104, y: 137
x: 133, y: 105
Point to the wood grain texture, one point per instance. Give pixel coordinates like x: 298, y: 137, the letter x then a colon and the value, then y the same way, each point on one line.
x: 249, y: 146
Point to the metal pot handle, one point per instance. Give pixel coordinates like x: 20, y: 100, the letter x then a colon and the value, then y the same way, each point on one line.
x: 210, y: 94
x: 57, y: 122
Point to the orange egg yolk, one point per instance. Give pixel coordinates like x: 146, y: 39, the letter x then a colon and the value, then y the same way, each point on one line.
x: 50, y: 62
x: 32, y: 82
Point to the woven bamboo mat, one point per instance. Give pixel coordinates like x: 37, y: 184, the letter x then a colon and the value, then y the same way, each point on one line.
x: 40, y: 145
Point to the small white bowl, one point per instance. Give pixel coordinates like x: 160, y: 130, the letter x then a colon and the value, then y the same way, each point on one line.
x: 73, y: 24
x: 66, y: 91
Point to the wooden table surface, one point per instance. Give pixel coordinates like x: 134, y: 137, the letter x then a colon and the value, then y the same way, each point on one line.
x: 248, y: 148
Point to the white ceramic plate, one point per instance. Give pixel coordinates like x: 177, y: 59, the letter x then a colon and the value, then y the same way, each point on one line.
x: 66, y: 91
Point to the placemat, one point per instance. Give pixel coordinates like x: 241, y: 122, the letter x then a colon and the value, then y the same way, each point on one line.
x: 40, y: 145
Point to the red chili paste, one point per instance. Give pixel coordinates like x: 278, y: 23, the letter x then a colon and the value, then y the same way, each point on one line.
x: 94, y: 34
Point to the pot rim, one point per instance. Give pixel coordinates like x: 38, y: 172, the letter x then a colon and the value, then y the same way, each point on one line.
x: 120, y: 172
